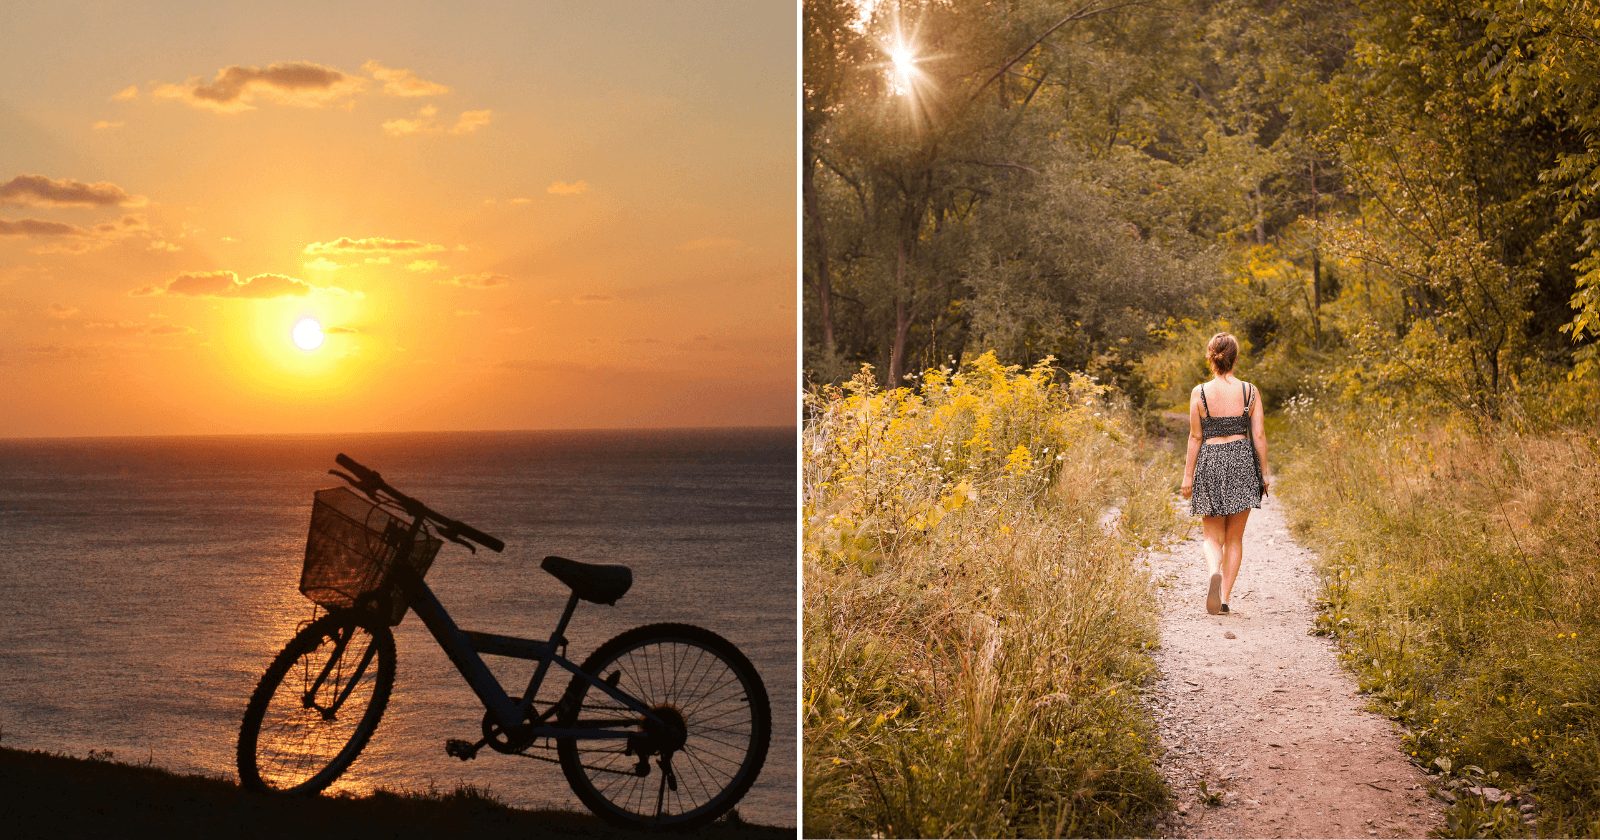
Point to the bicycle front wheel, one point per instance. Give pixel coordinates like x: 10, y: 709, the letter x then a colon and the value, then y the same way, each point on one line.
x: 317, y: 705
x: 687, y: 770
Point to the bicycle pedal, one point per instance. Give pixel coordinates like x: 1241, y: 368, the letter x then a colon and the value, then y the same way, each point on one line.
x: 462, y: 749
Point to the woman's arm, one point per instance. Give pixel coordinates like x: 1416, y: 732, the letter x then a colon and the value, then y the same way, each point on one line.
x: 1258, y: 436
x: 1194, y: 443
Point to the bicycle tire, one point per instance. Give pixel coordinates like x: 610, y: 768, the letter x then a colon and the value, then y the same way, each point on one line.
x: 649, y: 663
x: 259, y: 764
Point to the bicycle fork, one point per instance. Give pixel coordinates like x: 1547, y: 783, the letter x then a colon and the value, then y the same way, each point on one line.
x: 329, y: 712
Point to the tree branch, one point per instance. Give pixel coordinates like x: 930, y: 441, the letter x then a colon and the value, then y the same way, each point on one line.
x: 997, y: 164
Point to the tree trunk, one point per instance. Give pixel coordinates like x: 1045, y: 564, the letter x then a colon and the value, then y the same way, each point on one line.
x: 1261, y: 217
x: 816, y: 243
x: 1316, y: 297
x: 1316, y: 260
x: 902, y: 316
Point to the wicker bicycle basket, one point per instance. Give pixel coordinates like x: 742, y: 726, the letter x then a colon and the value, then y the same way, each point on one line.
x: 353, y: 549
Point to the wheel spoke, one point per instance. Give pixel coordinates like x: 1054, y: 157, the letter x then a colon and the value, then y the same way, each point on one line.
x: 706, y: 711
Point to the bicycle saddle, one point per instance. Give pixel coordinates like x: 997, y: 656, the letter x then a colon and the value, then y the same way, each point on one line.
x: 590, y: 581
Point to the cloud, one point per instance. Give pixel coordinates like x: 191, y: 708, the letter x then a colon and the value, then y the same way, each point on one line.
x: 130, y: 223
x: 426, y: 121
x: 399, y: 82
x: 113, y: 326
x: 40, y: 191
x: 61, y: 312
x: 477, y: 281
x: 423, y: 265
x: 237, y: 88
x: 471, y: 121
x: 39, y: 227
x: 321, y: 264
x: 101, y: 125
x: 521, y: 200
x: 227, y: 284
x: 169, y: 329
x: 709, y: 243
x: 48, y: 353
x: 593, y: 298
x: 342, y: 331
x: 127, y: 94
x: 565, y: 188
x: 63, y: 238
x: 423, y: 122
x: 372, y: 244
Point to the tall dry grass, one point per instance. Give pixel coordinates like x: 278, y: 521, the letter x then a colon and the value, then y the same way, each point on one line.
x: 1461, y: 576
x: 974, y: 636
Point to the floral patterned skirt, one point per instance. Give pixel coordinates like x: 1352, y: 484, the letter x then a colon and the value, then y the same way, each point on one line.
x: 1225, y: 479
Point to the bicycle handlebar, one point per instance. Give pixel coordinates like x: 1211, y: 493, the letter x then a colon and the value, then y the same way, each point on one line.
x: 371, y: 481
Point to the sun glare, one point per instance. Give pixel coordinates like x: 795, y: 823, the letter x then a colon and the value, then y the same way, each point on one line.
x: 307, y: 334
x: 903, y: 67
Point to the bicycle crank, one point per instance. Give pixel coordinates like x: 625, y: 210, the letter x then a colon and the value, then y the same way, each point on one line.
x: 502, y: 741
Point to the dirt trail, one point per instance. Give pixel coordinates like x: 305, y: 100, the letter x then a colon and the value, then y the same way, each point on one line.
x: 1268, y: 719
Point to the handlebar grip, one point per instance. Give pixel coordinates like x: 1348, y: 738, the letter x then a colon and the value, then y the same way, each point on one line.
x: 480, y: 537
x: 350, y: 464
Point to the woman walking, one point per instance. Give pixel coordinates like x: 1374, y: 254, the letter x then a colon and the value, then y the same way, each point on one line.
x: 1225, y: 471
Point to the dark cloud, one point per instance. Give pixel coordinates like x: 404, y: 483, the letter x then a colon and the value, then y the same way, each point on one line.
x: 202, y: 284
x: 271, y: 285
x: 228, y: 284
x: 41, y: 191
x: 38, y: 227
x: 235, y: 88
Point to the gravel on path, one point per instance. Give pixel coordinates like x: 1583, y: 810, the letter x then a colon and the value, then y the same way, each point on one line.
x: 1262, y: 714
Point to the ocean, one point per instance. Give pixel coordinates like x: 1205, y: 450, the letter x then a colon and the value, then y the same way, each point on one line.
x: 146, y: 583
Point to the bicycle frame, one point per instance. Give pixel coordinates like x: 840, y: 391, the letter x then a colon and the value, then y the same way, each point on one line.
x: 465, y: 649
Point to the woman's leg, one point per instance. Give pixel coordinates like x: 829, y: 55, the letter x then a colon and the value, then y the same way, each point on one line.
x: 1232, y: 550
x: 1213, y: 529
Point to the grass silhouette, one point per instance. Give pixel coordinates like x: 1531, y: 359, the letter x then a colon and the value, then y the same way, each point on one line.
x: 60, y: 796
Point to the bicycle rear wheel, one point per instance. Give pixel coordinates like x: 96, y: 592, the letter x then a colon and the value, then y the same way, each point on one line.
x: 317, y: 705
x: 693, y: 769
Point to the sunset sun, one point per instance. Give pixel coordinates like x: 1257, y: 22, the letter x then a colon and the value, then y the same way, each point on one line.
x: 307, y: 334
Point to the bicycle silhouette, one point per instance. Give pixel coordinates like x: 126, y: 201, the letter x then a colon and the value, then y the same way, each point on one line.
x: 664, y: 726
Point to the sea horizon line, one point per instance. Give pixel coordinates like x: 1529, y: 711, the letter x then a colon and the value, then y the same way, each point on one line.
x: 369, y: 433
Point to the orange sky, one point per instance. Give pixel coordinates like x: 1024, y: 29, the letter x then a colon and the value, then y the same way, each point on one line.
x: 515, y: 216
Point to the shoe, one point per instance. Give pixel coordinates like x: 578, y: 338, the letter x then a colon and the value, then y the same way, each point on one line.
x: 1214, y: 595
x: 1224, y: 607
